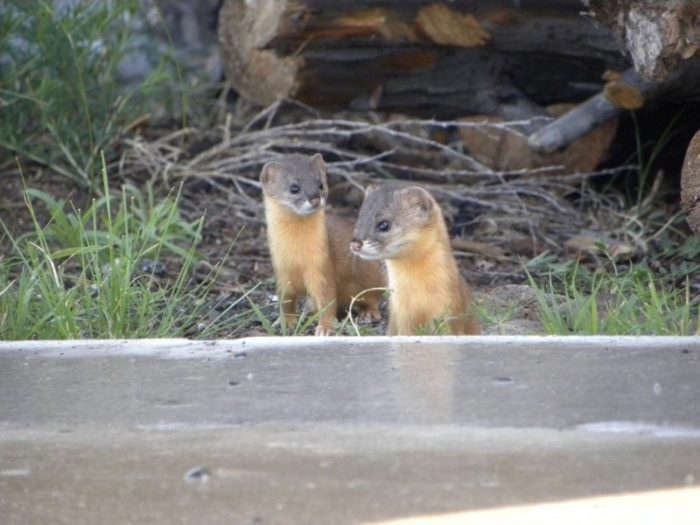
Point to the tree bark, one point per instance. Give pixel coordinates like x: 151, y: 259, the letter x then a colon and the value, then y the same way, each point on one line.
x: 659, y: 35
x: 690, y: 183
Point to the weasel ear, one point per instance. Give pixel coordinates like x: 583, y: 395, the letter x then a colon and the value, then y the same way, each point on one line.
x: 419, y: 200
x: 371, y: 189
x: 270, y: 171
x: 317, y: 164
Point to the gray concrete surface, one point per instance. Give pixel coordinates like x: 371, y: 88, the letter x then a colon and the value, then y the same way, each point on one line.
x: 300, y: 431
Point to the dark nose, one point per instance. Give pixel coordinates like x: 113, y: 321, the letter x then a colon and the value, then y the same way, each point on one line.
x: 315, y: 201
x: 355, y: 245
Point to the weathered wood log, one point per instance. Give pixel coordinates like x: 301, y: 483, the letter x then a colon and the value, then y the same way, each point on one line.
x: 690, y: 183
x: 659, y: 35
x: 416, y: 56
x: 662, y: 38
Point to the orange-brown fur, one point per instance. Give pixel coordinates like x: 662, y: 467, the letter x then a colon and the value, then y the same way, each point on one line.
x: 310, y: 253
x: 354, y: 276
x: 426, y: 286
x: 301, y: 259
x: 404, y: 226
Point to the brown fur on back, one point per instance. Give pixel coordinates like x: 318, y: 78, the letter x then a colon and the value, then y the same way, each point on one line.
x: 353, y: 275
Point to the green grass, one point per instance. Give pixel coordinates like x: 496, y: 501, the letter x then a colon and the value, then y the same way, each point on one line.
x: 305, y: 321
x: 647, y: 155
x: 349, y: 325
x: 60, y: 98
x: 574, y: 300
x: 650, y: 290
x: 91, y: 274
x: 494, y: 316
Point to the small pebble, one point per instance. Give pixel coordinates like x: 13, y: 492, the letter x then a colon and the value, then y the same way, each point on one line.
x: 153, y: 267
x: 197, y: 475
x: 502, y: 380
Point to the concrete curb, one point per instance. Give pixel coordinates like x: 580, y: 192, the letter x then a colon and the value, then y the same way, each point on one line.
x: 298, y: 430
x: 185, y: 348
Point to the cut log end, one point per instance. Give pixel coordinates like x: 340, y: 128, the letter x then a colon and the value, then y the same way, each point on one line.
x: 259, y: 74
x: 690, y: 184
x: 659, y: 35
x: 623, y: 95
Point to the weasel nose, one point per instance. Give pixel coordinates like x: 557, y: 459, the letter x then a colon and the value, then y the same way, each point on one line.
x: 315, y: 201
x: 355, y: 245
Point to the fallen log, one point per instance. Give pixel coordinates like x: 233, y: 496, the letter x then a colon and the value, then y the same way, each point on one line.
x: 690, y: 184
x: 467, y: 57
x: 416, y: 57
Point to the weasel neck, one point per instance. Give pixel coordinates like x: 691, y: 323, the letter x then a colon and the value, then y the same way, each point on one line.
x: 295, y: 239
x: 428, y: 262
x: 279, y: 215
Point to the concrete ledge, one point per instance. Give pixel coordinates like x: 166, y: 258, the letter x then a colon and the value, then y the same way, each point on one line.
x: 187, y: 348
x: 299, y: 430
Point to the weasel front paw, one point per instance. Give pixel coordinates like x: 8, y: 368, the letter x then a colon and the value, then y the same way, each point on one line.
x: 323, y: 330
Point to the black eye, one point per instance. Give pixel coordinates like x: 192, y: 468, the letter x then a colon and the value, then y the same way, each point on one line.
x: 294, y: 188
x: 383, y: 226
x: 320, y: 185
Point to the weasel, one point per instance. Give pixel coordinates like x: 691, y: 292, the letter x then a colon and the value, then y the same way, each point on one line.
x: 404, y: 226
x: 310, y: 249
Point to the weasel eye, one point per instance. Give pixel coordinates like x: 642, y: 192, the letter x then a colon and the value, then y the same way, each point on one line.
x: 294, y: 188
x: 320, y: 185
x: 383, y: 226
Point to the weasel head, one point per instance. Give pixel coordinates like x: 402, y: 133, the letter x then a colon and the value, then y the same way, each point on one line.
x: 297, y: 182
x: 392, y: 220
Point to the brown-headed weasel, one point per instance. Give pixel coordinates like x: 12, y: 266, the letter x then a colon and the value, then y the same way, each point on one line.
x: 310, y: 250
x: 404, y: 226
